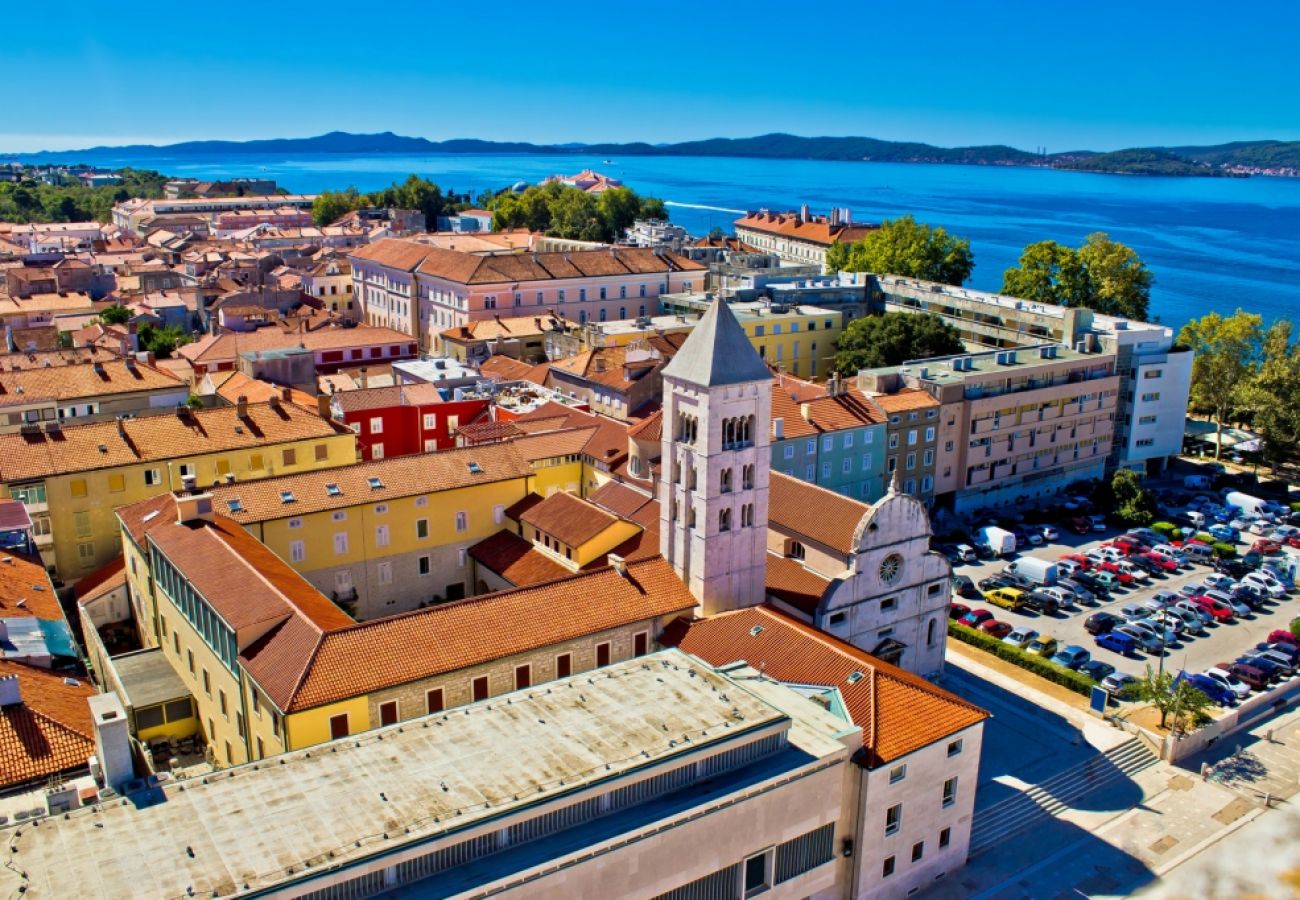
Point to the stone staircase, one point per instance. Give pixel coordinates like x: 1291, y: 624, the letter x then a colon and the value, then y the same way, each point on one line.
x: 1010, y: 817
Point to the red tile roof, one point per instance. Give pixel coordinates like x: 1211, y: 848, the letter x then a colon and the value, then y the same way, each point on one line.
x: 49, y: 732
x: 816, y: 230
x: 23, y: 580
x: 569, y: 519
x: 788, y: 580
x: 620, y: 499
x: 814, y: 513
x: 516, y: 560
x: 899, y: 713
x: 383, y: 653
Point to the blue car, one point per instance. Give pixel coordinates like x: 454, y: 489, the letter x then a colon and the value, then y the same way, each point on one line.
x: 1225, y: 533
x: 1209, y: 687
x: 1120, y: 643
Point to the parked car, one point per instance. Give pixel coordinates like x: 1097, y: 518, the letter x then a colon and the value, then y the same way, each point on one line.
x: 1043, y: 602
x: 1117, y: 684
x: 1192, y: 622
x: 1221, y: 611
x: 1109, y: 580
x: 1278, y: 653
x: 1079, y: 525
x: 1020, y: 637
x: 1188, y: 606
x: 1092, y: 583
x: 1134, y: 611
x: 1144, y: 639
x: 1102, y: 622
x: 1227, y: 680
x: 1272, y: 671
x: 1209, y: 687
x: 1113, y: 569
x: 1283, y: 636
x: 1266, y: 547
x: 957, y: 610
x: 1225, y: 533
x: 975, y: 618
x: 1097, y: 670
x: 1163, y: 599
x: 962, y: 586
x: 1234, y: 568
x: 1192, y: 589
x: 1156, y: 563
x: 1048, y: 532
x: 1081, y: 593
x: 966, y: 553
x: 1264, y: 583
x: 1217, y: 581
x: 1118, y: 642
x: 1072, y: 657
x: 1165, y: 635
x: 1044, y: 645
x: 1006, y: 597
x: 995, y: 628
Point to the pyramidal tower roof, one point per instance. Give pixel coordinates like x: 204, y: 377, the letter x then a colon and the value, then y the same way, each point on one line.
x: 718, y: 352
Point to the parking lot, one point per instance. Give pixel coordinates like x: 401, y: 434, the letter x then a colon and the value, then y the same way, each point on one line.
x: 1219, y: 643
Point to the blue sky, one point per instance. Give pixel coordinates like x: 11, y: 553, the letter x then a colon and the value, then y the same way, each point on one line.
x: 1098, y: 75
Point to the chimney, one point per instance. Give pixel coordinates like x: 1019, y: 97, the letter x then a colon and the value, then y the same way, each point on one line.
x: 618, y: 562
x: 778, y: 428
x: 362, y: 379
x: 11, y: 693
x: 241, y: 406
x: 192, y: 506
x: 112, y: 742
x: 805, y: 410
x: 803, y: 213
x: 273, y: 401
x: 286, y: 394
x: 121, y: 427
x: 324, y: 407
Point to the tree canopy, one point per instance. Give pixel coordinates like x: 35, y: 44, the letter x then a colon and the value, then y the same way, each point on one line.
x: 413, y: 193
x: 1125, y: 499
x: 563, y: 211
x: 1173, y: 696
x: 1223, y: 370
x: 162, y: 342
x: 893, y: 338
x: 115, y: 315
x: 1101, y: 275
x: 71, y: 201
x: 909, y: 248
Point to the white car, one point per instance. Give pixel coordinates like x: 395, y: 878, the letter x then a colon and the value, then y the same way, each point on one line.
x: 1265, y: 584
x: 1239, y: 688
x: 1261, y: 528
x: 1048, y: 532
x: 1217, y: 581
x: 1191, y: 608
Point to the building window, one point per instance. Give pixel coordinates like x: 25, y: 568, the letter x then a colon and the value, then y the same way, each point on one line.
x: 929, y: 434
x: 189, y: 659
x: 433, y: 701
x: 207, y: 683
x: 846, y: 465
x: 950, y: 792
x: 297, y: 551
x: 523, y: 677
x: 954, y: 747
x: 893, y: 819
x: 77, y: 486
x: 888, y: 603
x: 422, y: 565
x: 911, y: 460
x: 338, y: 726
x: 388, y: 713
x: 384, y: 572
x: 888, y: 868
x: 564, y: 665
x: 341, y: 543
x: 788, y: 450
x: 290, y: 456
x: 758, y: 873
x: 381, y: 536
x: 918, y: 851
x: 480, y: 688
x: 945, y: 838
x: 602, y: 654
x: 838, y: 618
x: 893, y: 441
x: 151, y: 477
x: 640, y: 643
x: 462, y: 521
x: 897, y: 774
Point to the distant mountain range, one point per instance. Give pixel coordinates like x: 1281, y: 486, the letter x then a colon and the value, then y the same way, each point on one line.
x: 1239, y: 158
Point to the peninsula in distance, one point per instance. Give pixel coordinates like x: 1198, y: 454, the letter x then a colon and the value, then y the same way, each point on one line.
x: 1240, y: 158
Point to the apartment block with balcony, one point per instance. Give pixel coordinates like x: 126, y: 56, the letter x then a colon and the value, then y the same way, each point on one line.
x: 1022, y: 423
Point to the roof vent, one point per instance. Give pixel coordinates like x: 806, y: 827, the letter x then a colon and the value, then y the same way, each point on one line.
x: 855, y: 677
x: 756, y: 631
x: 375, y: 483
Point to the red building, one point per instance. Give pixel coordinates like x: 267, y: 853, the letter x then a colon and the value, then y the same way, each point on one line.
x: 405, y: 419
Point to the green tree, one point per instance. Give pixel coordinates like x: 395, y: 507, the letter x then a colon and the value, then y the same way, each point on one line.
x: 1271, y: 395
x: 1173, y: 697
x: 618, y: 208
x: 115, y: 315
x: 574, y: 215
x: 1050, y: 273
x: 329, y: 206
x: 653, y: 208
x: 162, y: 342
x: 1224, y: 365
x: 909, y: 248
x: 893, y: 338
x: 1133, y: 504
x: 1121, y: 281
x: 1102, y: 275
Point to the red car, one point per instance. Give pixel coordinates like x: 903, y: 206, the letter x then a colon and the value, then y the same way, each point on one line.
x: 957, y: 610
x: 1266, y: 547
x: 998, y: 629
x: 976, y: 617
x: 1128, y: 548
x: 1166, y: 565
x: 1281, y: 635
x: 1221, y: 611
x: 1078, y: 559
x: 1113, y: 568
x: 1293, y: 541
x: 1080, y: 525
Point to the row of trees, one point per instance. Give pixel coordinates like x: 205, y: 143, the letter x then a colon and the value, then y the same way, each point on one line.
x: 72, y: 201
x: 1246, y: 373
x: 413, y: 193
x: 1101, y: 274
x: 566, y: 212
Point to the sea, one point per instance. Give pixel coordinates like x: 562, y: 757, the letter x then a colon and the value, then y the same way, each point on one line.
x: 1213, y: 244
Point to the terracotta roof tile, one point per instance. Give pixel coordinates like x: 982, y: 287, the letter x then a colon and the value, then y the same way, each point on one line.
x: 814, y: 513
x: 106, y: 579
x: 505, y: 368
x: 905, y: 400
x: 516, y: 560
x: 818, y: 230
x: 899, y: 713
x: 788, y: 580
x: 49, y: 732
x: 393, y: 253
x: 371, y: 656
x: 620, y: 499
x: 503, y: 327
x: 24, y: 581
x: 651, y: 428
x: 222, y: 347
x: 420, y: 394
x: 103, y: 445
x: 569, y: 519
x: 400, y: 476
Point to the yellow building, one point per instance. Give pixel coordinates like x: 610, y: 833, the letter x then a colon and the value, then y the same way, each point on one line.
x: 274, y: 665
x: 800, y: 339
x: 73, y: 477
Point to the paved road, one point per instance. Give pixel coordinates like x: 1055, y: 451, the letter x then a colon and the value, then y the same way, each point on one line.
x: 1220, y: 642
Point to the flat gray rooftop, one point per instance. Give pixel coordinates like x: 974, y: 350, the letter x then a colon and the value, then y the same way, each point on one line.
x: 147, y: 679
x: 247, y: 826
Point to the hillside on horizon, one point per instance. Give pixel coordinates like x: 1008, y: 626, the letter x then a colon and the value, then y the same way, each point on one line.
x: 1238, y: 157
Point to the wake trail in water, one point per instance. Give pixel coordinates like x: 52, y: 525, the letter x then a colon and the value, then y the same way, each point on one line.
x: 723, y: 209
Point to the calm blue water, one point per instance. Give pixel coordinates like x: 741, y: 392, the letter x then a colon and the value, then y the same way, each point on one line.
x: 1213, y: 244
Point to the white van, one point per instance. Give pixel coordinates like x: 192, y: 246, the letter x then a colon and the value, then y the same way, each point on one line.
x: 1265, y: 584
x: 1199, y: 553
